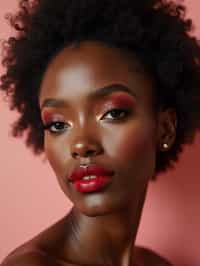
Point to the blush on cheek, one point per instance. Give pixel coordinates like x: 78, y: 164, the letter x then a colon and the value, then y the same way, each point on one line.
x: 53, y: 159
x: 134, y: 145
x: 139, y: 155
x: 56, y: 155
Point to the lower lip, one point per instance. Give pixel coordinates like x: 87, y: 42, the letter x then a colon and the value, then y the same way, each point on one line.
x: 92, y: 185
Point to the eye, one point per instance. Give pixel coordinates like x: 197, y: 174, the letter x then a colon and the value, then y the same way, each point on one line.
x: 117, y: 114
x: 55, y: 127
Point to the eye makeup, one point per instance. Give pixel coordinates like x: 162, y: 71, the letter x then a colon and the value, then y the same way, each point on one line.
x: 123, y: 100
x: 49, y: 117
x: 118, y: 101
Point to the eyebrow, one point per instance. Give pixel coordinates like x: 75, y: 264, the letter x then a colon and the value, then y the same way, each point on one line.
x: 100, y: 93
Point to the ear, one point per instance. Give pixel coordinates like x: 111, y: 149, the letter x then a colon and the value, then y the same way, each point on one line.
x: 167, y: 124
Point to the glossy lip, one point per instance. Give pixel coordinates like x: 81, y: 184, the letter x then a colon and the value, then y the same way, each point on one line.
x: 92, y: 185
x: 89, y: 169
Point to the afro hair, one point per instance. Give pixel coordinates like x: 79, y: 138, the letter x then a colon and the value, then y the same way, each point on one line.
x: 157, y: 31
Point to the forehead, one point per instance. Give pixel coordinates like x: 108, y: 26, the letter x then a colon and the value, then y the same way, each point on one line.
x: 77, y: 71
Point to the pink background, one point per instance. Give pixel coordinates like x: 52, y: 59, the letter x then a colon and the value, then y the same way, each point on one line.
x: 31, y: 200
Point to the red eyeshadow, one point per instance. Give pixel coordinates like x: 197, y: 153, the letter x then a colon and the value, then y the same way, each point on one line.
x: 123, y: 100
x: 47, y: 116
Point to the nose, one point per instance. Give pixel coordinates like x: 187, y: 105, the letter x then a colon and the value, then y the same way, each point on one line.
x: 85, y: 148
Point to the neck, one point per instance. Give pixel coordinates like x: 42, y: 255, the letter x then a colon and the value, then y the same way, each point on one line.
x: 103, y: 240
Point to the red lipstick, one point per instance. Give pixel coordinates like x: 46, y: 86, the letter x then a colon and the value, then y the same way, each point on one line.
x: 91, y: 179
x: 92, y: 185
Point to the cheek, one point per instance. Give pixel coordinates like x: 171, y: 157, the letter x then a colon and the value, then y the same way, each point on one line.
x: 57, y: 156
x: 54, y: 153
x: 135, y: 146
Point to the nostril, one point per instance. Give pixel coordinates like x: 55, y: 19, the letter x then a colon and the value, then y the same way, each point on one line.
x: 86, y: 149
x: 87, y: 153
x: 74, y: 155
x: 90, y: 152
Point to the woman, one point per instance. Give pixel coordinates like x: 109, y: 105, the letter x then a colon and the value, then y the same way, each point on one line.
x: 110, y: 91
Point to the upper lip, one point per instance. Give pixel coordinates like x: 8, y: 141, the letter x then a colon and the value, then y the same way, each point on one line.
x: 89, y: 169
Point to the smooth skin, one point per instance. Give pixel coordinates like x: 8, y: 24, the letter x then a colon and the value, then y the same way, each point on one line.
x: 101, y: 227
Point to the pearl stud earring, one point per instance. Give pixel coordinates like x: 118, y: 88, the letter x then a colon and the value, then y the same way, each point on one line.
x: 165, y: 145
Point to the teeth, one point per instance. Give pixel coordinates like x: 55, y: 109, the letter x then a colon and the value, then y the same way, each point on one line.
x: 89, y: 177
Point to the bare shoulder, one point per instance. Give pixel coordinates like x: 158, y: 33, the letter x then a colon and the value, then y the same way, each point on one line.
x: 31, y: 253
x: 31, y: 258
x: 147, y: 257
x: 35, y: 251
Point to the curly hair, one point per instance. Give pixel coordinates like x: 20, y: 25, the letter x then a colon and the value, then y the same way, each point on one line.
x: 157, y: 31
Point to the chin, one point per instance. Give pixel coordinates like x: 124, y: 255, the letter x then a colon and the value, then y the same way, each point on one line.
x: 95, y: 205
x: 93, y: 213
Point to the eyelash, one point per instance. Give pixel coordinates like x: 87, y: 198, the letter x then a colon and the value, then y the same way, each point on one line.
x: 64, y: 126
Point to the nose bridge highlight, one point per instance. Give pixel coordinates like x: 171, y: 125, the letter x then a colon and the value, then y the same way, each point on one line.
x: 85, y: 141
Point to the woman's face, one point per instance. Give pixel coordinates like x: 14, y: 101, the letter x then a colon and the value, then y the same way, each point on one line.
x: 87, y: 131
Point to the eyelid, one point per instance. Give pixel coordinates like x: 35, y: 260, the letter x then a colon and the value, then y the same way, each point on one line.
x: 49, y: 117
x: 110, y: 105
